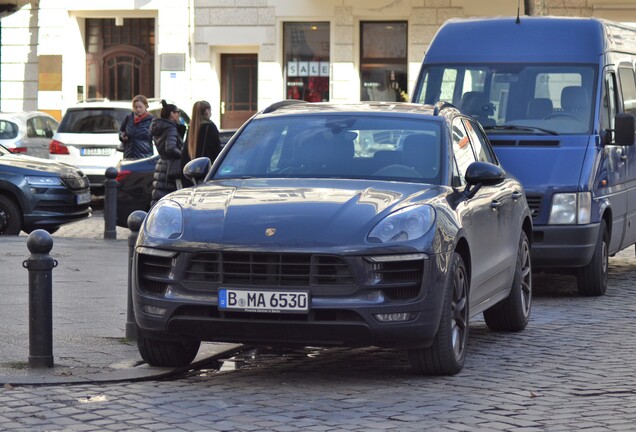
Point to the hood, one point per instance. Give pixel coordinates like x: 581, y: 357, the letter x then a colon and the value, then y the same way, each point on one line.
x: 295, y: 213
x: 540, y: 165
x: 32, y: 165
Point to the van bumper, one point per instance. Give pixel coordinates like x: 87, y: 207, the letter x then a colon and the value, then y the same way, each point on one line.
x: 563, y: 246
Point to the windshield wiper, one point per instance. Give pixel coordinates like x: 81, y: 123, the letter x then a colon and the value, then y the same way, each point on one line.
x: 521, y: 128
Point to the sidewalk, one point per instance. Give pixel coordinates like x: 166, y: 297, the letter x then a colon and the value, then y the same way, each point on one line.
x: 89, y: 311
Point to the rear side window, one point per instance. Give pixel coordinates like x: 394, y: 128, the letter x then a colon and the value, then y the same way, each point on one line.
x: 102, y: 120
x: 8, y: 130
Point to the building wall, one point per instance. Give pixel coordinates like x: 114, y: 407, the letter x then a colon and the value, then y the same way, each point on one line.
x: 202, y: 30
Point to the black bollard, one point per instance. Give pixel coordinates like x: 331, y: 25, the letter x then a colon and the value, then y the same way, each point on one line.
x: 135, y: 219
x: 40, y: 265
x: 110, y: 204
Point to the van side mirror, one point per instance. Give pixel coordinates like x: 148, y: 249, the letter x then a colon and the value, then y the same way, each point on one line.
x: 624, y: 129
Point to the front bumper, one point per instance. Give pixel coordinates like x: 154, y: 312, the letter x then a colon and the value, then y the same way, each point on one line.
x: 52, y: 207
x: 338, y: 315
x: 563, y: 246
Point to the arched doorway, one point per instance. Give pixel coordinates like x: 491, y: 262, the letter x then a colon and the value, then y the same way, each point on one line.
x: 120, y: 59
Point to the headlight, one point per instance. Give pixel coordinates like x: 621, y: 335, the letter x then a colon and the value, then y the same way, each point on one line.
x: 43, y: 181
x: 571, y: 208
x: 407, y: 224
x: 165, y: 220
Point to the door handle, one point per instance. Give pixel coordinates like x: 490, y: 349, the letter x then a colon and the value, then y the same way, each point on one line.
x: 516, y: 195
x: 495, y: 205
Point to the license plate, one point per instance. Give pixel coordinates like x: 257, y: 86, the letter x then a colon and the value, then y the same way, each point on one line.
x: 263, y: 301
x: 83, y: 198
x: 95, y: 151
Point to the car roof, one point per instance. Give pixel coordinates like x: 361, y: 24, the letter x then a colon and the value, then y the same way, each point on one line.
x: 299, y: 107
x: 101, y: 103
x: 23, y: 115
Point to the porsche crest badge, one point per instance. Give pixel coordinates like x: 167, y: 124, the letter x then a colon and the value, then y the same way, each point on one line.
x: 270, y: 232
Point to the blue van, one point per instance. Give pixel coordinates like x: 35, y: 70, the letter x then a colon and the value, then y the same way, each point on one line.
x: 557, y: 98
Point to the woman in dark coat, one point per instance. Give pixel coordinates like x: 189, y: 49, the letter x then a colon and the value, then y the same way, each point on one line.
x: 169, y: 143
x: 134, y: 132
x: 203, y: 137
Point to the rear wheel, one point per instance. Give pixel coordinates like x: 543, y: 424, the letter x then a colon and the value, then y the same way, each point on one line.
x: 592, y: 279
x: 447, y: 353
x: 513, y: 313
x: 168, y: 353
x: 10, y: 217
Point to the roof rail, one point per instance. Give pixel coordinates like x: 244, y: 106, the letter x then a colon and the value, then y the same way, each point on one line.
x: 442, y: 105
x: 94, y: 100
x: 276, y: 105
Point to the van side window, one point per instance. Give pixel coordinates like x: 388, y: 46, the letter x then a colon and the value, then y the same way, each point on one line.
x: 608, y: 112
x: 628, y: 88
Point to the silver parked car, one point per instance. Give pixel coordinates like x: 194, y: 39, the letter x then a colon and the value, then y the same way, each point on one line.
x: 27, y: 132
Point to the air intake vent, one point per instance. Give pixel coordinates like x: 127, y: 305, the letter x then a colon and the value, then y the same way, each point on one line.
x: 534, y: 202
x: 261, y: 269
x: 540, y: 143
x: 497, y: 143
x: 154, y: 273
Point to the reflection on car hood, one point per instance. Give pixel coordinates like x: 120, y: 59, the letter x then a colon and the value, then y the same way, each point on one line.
x: 36, y: 165
x: 303, y: 213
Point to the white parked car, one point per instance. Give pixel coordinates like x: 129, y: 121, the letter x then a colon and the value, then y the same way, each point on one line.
x: 88, y: 137
x: 27, y: 132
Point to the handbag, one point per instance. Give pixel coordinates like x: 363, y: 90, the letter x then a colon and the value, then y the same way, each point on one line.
x: 122, y: 130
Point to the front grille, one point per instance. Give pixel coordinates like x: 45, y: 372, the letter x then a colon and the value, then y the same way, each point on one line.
x: 526, y: 143
x: 315, y: 315
x: 76, y: 183
x: 260, y: 269
x: 154, y: 273
x: 404, y: 278
x: 534, y: 203
x: 57, y: 207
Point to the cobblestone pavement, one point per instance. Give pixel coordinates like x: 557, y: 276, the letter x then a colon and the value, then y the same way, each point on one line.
x: 573, y: 368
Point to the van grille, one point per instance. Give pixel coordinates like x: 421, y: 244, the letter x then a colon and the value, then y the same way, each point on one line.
x: 534, y: 203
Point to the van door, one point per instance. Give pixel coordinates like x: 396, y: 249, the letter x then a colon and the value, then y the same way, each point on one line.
x: 628, y: 92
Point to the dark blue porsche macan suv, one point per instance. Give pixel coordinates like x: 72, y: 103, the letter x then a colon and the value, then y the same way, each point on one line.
x: 338, y: 225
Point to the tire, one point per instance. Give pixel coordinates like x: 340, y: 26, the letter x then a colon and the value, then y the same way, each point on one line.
x: 10, y: 217
x: 166, y: 353
x: 512, y: 314
x: 447, y: 353
x: 592, y: 279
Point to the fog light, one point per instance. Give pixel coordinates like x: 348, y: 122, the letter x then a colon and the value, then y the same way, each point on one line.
x: 393, y: 317
x: 153, y: 310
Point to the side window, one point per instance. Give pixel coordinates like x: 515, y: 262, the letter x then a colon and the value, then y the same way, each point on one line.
x: 628, y: 88
x: 608, y: 112
x: 462, y: 150
x: 479, y: 142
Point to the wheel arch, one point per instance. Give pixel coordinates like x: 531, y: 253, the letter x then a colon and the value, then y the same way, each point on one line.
x: 463, y: 249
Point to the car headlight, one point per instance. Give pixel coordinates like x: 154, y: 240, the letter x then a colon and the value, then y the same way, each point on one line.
x: 43, y: 181
x: 409, y: 223
x: 165, y: 220
x: 570, y: 208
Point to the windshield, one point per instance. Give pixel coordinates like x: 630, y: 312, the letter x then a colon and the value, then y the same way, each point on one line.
x: 89, y: 121
x: 527, y: 98
x: 352, y: 146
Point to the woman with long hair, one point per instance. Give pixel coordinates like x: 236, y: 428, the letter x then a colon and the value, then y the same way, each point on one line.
x: 203, y: 136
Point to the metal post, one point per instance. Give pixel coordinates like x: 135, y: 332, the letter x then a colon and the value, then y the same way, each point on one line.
x: 110, y: 203
x: 40, y: 265
x: 135, y: 220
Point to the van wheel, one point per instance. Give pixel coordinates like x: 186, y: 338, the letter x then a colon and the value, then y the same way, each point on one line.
x: 592, y: 279
x: 167, y: 353
x: 513, y: 313
x: 447, y: 353
x: 10, y: 217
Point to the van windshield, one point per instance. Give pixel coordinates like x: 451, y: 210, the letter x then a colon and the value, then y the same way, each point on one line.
x: 516, y: 98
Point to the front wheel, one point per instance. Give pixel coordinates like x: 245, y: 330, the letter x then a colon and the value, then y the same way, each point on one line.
x: 592, y: 279
x: 513, y: 313
x: 447, y: 353
x: 10, y: 217
x: 168, y: 353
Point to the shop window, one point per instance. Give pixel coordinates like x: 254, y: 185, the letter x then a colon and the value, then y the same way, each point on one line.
x: 306, y: 47
x: 383, y: 61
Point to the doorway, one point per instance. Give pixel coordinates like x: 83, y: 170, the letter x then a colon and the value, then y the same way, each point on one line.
x: 239, y: 76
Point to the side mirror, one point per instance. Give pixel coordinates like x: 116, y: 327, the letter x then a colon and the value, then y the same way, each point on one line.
x: 197, y: 169
x: 484, y: 173
x: 624, y: 129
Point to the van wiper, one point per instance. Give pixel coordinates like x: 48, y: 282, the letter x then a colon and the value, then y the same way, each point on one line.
x: 521, y: 128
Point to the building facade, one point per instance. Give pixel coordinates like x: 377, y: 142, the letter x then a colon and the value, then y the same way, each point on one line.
x: 241, y: 55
